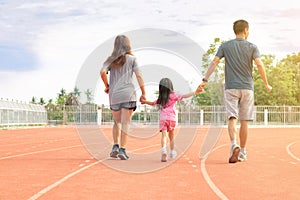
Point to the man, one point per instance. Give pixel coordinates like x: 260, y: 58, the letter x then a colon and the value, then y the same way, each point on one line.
x: 239, y: 85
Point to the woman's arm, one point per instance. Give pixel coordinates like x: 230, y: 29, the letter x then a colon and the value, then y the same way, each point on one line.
x: 103, y: 75
x: 140, y: 80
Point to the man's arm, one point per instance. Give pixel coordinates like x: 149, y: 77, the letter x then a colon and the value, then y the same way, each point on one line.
x: 262, y: 72
x: 211, y: 68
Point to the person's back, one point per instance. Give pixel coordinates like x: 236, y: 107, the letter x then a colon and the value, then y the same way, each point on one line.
x: 239, y: 55
x: 121, y: 81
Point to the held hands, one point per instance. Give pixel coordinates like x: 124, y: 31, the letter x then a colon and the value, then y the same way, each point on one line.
x: 142, y: 99
x: 199, y: 89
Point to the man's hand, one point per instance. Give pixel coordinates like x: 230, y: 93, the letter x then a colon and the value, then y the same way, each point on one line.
x: 269, y: 88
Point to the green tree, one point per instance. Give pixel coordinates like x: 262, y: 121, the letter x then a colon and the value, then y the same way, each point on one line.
x: 42, y: 101
x: 76, y: 92
x: 261, y: 96
x: 214, y: 90
x: 62, y: 97
x: 33, y: 100
x: 89, y: 96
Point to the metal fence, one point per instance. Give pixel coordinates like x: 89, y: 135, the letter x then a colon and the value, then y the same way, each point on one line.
x: 14, y: 113
x: 206, y: 115
x: 81, y: 114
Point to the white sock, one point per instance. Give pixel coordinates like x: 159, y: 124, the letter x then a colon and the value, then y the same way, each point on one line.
x: 233, y: 142
x: 164, y: 149
x: 243, y: 150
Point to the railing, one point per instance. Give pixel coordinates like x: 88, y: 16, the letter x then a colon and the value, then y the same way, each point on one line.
x: 13, y: 113
x: 187, y: 115
x: 206, y: 115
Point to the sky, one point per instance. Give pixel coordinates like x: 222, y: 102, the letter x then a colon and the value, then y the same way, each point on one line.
x: 44, y: 44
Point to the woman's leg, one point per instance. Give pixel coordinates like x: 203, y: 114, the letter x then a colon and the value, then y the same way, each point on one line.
x: 125, y: 123
x: 116, y: 131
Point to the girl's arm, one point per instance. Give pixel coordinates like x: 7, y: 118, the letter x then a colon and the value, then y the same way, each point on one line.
x: 199, y: 90
x: 150, y: 103
x: 103, y: 75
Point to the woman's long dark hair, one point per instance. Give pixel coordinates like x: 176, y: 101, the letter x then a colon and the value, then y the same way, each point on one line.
x: 165, y: 88
x: 121, y: 48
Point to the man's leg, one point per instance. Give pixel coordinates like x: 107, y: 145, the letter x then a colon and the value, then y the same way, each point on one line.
x: 243, y: 133
x: 232, y: 130
x: 234, y: 149
x: 246, y: 114
x: 232, y: 97
x: 243, y: 139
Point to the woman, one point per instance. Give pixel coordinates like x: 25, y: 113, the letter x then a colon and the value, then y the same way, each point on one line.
x: 122, y: 96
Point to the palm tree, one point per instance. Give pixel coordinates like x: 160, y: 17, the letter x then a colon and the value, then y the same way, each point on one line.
x: 89, y: 96
x: 61, y: 99
x: 42, y: 101
x: 33, y: 100
x: 76, y: 92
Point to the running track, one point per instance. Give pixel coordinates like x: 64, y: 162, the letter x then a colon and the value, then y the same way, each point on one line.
x: 52, y: 163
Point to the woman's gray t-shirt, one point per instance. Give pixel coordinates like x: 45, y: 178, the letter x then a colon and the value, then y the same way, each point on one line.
x: 121, y: 87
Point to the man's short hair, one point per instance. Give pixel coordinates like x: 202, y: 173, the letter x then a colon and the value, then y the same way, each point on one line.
x: 239, y: 26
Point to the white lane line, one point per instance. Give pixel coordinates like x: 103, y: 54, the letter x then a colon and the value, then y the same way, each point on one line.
x: 289, y: 151
x: 36, y: 152
x: 211, y: 184
x: 50, y: 187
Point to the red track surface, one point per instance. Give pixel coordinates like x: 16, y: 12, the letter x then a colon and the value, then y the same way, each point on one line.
x: 52, y: 163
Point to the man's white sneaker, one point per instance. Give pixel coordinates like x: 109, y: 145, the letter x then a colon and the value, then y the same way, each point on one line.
x: 173, y: 154
x: 242, y: 157
x: 234, y: 153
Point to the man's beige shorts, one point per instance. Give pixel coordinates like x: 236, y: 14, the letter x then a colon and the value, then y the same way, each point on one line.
x: 240, y: 103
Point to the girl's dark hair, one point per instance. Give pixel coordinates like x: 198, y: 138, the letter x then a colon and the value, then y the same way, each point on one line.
x: 121, y: 48
x: 165, y: 88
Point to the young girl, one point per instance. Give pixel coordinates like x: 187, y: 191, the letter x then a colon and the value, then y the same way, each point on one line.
x: 122, y: 96
x: 167, y: 121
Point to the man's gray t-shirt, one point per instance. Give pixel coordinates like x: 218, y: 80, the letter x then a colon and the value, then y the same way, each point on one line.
x: 121, y: 87
x: 239, y: 55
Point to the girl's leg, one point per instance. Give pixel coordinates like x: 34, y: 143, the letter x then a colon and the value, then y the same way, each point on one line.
x: 171, y: 137
x: 164, y: 139
x: 173, y: 153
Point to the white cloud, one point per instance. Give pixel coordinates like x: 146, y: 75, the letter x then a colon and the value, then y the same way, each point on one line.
x: 63, y: 33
